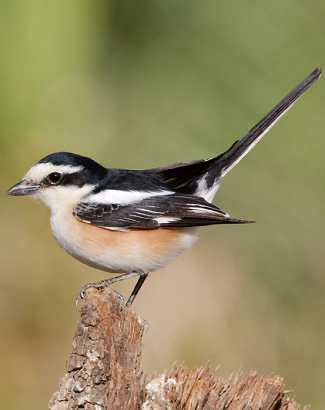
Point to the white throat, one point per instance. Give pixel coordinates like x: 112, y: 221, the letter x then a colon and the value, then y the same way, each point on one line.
x: 58, y: 198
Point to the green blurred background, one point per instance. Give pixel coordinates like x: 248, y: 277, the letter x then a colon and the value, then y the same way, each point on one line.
x: 138, y: 84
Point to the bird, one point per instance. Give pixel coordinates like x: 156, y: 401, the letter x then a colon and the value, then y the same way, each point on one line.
x: 133, y: 222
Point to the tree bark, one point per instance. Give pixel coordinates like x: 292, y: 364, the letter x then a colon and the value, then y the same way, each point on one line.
x: 103, y: 371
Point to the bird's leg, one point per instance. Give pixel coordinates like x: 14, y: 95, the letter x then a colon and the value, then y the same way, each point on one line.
x: 142, y: 277
x: 106, y: 282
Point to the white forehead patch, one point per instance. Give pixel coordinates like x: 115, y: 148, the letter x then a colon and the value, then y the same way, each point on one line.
x: 40, y: 171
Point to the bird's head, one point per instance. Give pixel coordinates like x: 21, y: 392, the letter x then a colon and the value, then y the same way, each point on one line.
x: 59, y: 177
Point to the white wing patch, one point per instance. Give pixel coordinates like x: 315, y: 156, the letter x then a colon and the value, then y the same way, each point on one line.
x: 116, y: 196
x: 199, y: 210
x: 205, y: 192
x: 166, y: 219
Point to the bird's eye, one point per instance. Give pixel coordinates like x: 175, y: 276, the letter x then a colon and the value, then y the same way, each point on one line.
x: 54, y: 178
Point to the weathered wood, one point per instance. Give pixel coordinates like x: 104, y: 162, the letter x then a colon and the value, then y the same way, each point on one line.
x: 103, y: 371
x: 199, y: 388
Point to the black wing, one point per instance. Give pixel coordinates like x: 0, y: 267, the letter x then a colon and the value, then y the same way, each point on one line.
x: 183, y: 177
x: 175, y: 210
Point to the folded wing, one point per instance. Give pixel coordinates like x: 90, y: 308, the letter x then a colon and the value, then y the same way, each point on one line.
x: 172, y: 211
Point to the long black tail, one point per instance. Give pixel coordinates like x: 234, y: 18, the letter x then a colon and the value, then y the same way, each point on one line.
x: 186, y: 177
x: 226, y: 161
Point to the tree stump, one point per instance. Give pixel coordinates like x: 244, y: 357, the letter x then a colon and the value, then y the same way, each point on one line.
x: 103, y: 371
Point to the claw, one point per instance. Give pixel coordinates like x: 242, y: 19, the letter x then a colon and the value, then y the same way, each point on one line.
x: 81, y: 295
x: 98, y: 285
x: 143, y: 323
x: 79, y: 298
x: 120, y: 297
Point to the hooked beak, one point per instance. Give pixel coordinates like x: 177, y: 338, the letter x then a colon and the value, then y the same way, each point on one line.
x: 23, y: 188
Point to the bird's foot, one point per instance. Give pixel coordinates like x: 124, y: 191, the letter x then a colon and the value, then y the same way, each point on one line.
x: 100, y: 286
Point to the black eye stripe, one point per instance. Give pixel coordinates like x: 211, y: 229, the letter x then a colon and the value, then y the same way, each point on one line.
x: 77, y: 179
x: 58, y: 178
